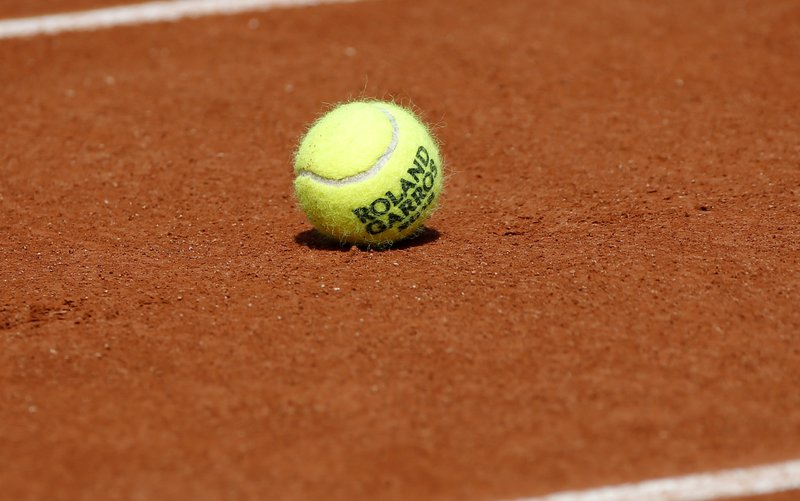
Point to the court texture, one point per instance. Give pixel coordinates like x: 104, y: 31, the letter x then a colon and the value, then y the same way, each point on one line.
x: 606, y: 306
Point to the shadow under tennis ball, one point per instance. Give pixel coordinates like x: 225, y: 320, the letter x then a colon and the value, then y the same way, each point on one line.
x: 317, y: 241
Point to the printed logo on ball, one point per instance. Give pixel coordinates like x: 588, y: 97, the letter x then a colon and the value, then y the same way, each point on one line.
x: 405, y: 205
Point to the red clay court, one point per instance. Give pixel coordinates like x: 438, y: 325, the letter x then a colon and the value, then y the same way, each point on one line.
x: 609, y: 293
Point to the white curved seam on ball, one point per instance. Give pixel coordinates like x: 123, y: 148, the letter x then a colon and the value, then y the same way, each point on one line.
x: 372, y: 171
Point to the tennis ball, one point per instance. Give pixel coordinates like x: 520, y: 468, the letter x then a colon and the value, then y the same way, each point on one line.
x: 368, y: 172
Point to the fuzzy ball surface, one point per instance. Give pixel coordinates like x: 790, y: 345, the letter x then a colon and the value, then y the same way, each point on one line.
x: 368, y: 172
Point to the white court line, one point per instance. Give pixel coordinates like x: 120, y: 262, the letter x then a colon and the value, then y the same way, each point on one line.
x: 151, y: 12
x: 740, y: 482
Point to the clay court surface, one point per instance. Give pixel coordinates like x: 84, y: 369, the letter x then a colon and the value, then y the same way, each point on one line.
x: 610, y: 291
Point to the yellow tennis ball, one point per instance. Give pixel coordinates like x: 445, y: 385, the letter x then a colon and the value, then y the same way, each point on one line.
x: 368, y: 172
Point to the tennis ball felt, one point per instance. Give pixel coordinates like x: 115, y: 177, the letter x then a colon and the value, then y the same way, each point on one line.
x: 368, y: 172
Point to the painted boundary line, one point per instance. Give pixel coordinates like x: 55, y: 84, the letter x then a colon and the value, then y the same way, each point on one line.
x: 740, y: 482
x: 143, y: 13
